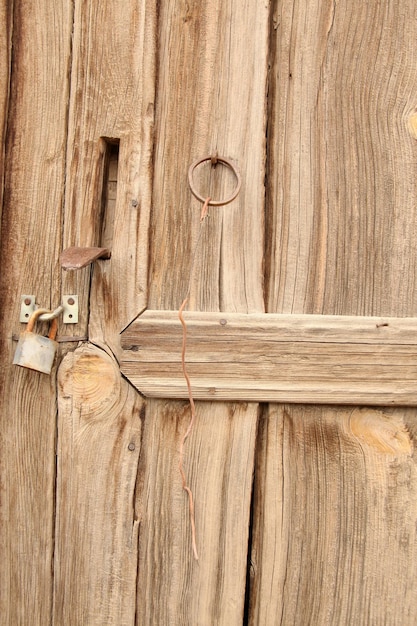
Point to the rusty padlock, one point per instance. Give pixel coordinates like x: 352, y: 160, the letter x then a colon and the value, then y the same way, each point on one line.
x: 34, y: 351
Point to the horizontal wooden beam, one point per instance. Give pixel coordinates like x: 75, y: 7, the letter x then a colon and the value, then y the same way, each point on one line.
x: 278, y: 358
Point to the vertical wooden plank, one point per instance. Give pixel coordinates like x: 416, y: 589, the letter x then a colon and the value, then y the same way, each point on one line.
x: 341, y: 178
x: 173, y: 587
x: 99, y: 444
x: 112, y: 98
x: 202, y: 51
x: 31, y: 236
x: 335, y: 504
x: 211, y: 96
x: 6, y: 14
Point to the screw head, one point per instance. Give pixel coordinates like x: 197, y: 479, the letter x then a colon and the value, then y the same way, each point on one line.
x: 71, y: 301
x: 131, y: 446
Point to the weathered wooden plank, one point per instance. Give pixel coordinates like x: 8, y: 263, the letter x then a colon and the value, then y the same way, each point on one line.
x: 204, y: 103
x: 30, y: 245
x: 341, y: 184
x: 219, y: 460
x: 153, y: 329
x: 335, y: 501
x: 97, y: 526
x: 289, y: 358
x: 5, y: 66
x: 335, y: 509
x: 322, y: 390
x: 112, y: 104
x: 107, y: 204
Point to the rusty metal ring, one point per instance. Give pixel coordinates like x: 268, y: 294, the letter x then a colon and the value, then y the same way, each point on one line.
x: 228, y: 164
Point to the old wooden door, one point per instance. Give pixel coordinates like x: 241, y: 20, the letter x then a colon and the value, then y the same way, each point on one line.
x: 305, y: 513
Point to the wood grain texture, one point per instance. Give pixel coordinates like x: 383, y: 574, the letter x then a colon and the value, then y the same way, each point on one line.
x: 6, y: 17
x: 341, y: 186
x: 203, y: 104
x: 336, y: 502
x: 112, y: 98
x: 174, y: 588
x: 97, y: 526
x: 335, y: 505
x: 30, y: 245
x: 202, y: 50
x: 290, y: 358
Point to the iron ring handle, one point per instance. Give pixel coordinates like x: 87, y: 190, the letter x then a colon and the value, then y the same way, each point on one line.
x: 228, y: 164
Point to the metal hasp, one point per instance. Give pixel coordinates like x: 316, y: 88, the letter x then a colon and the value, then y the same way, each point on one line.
x: 27, y: 306
x: 70, y: 306
x: 75, y: 258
